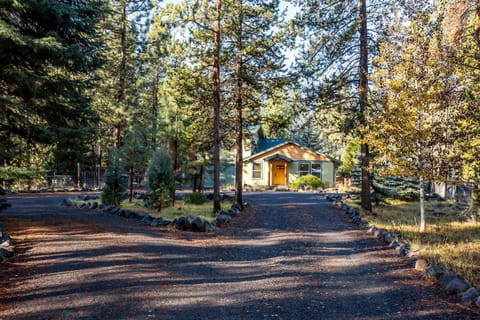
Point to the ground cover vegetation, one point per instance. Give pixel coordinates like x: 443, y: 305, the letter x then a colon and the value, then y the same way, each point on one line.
x: 390, y: 86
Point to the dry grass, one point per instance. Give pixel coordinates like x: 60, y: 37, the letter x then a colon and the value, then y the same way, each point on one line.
x: 180, y: 209
x: 449, y: 236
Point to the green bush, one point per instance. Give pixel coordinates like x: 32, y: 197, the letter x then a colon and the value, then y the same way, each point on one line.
x: 160, y: 182
x: 196, y: 198
x: 115, y: 185
x: 310, y: 181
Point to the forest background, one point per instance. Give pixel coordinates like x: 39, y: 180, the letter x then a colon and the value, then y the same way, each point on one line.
x: 82, y: 81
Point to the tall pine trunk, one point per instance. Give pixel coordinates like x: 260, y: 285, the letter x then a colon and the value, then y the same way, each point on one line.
x: 363, y: 93
x: 122, y: 76
x: 130, y: 192
x: 216, y: 109
x: 238, y: 110
x: 155, y: 85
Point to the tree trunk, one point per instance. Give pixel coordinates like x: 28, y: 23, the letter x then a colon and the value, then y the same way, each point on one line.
x: 216, y: 109
x: 200, y: 179
x: 122, y: 76
x: 154, y: 108
x: 194, y: 182
x: 238, y: 110
x: 422, y: 206
x: 363, y: 94
x: 130, y: 194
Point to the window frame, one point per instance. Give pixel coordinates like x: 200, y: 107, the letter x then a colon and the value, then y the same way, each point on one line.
x: 317, y: 172
x: 303, y: 172
x: 256, y: 171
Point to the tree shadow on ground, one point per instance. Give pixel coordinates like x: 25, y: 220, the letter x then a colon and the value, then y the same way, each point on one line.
x: 252, y: 269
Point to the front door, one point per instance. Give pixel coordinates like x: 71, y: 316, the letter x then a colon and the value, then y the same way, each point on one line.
x: 279, y: 170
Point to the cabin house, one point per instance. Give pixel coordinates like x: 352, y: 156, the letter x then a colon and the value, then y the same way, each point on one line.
x: 275, y: 162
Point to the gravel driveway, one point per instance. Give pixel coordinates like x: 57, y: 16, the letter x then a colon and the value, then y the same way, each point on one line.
x: 289, y: 256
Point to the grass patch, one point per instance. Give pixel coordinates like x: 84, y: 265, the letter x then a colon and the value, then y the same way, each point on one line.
x: 448, y: 237
x: 181, y: 209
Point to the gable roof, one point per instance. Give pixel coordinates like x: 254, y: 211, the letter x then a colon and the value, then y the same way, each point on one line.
x: 290, y: 150
x: 265, y: 144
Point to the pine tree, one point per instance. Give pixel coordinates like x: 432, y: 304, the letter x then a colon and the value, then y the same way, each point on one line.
x: 159, y: 180
x: 114, y: 190
x: 334, y: 63
x: 216, y: 106
x: 48, y: 51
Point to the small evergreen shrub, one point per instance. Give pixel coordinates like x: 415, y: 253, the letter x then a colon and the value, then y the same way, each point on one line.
x: 114, y: 190
x: 310, y: 181
x: 3, y: 202
x: 160, y: 182
x: 196, y: 198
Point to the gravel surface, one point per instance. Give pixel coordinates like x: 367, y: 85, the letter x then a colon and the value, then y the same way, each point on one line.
x: 289, y: 256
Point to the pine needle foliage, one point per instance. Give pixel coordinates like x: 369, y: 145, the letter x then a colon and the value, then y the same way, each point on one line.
x: 114, y: 189
x: 160, y: 181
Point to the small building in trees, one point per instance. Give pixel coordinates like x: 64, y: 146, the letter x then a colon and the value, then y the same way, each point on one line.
x: 276, y: 162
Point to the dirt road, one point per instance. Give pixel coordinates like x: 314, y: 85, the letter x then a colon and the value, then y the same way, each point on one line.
x: 289, y: 256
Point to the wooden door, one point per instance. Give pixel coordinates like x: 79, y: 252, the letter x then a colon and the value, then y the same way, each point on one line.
x: 279, y: 173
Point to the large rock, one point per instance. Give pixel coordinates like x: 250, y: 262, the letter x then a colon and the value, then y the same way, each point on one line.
x: 436, y: 270
x: 371, y: 230
x: 208, y: 227
x: 197, y: 224
x: 445, y: 279
x: 165, y: 223
x: 128, y: 214
x: 156, y: 222
x: 468, y: 296
x: 388, y: 238
x: 183, y: 224
x: 402, y: 250
x: 378, y: 233
x: 232, y: 213
x: 421, y: 265
x: 223, y: 218
x: 115, y: 210
x: 393, y: 245
x: 147, y: 219
x: 141, y: 215
x: 457, y: 286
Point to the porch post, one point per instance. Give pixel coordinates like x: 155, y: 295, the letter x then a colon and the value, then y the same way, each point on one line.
x: 269, y: 164
x: 286, y: 173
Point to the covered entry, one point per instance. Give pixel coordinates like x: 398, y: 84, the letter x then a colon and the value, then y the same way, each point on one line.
x: 278, y: 167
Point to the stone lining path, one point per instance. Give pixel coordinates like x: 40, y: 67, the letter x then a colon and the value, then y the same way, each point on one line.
x: 289, y: 256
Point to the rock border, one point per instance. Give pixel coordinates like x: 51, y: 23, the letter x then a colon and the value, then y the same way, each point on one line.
x: 7, y: 246
x: 186, y: 223
x: 452, y: 283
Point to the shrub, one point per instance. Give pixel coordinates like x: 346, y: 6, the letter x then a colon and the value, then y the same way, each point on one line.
x: 160, y: 182
x: 196, y: 198
x: 309, y: 180
x: 114, y: 190
x: 3, y: 203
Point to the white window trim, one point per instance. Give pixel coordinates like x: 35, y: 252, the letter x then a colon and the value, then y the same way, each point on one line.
x: 253, y: 171
x: 302, y: 171
x: 319, y: 170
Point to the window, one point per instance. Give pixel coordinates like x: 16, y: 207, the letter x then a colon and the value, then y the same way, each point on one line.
x: 257, y: 171
x: 317, y: 170
x: 303, y: 169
